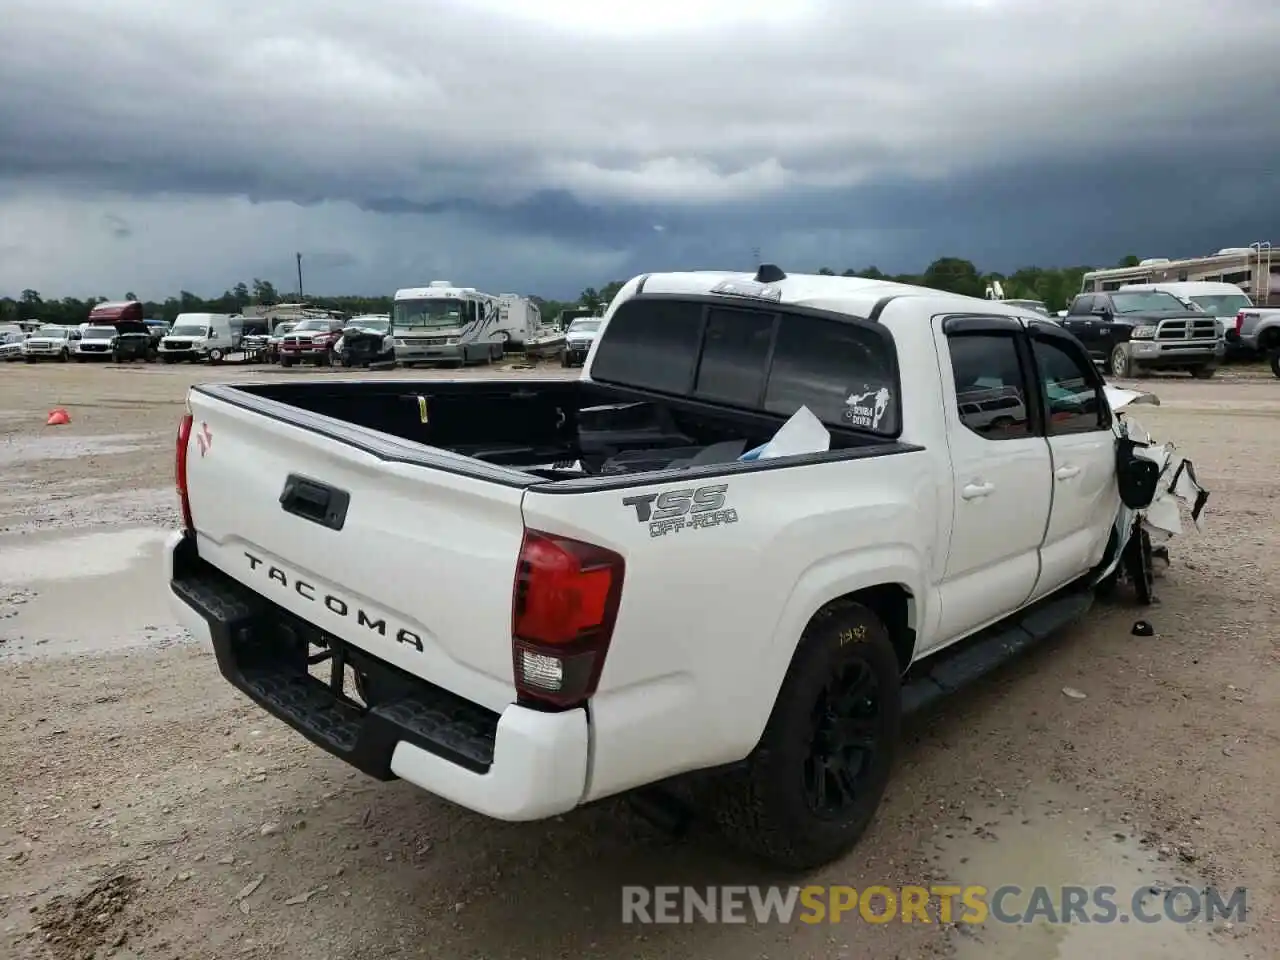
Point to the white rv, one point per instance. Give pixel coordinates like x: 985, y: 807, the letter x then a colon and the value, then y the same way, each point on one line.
x: 1250, y: 269
x: 441, y: 323
x: 519, y: 319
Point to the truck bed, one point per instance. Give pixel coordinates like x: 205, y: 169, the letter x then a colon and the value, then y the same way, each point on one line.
x: 523, y: 432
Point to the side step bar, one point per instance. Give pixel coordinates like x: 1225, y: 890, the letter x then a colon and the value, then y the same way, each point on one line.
x: 974, y: 658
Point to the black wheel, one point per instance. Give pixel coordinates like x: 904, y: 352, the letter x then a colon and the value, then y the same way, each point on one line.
x: 815, y: 780
x: 64, y: 356
x: 1205, y: 372
x: 215, y: 355
x: 564, y: 359
x: 286, y: 361
x: 1275, y: 363
x: 1139, y: 565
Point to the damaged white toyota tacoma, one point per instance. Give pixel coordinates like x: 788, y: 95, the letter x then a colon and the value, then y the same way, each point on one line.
x: 774, y: 514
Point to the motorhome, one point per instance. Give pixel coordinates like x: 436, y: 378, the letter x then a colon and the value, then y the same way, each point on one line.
x: 275, y: 313
x: 441, y: 323
x: 1250, y: 268
x: 519, y: 319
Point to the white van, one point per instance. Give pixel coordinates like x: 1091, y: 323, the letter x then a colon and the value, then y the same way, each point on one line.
x: 201, y: 336
x: 1220, y: 300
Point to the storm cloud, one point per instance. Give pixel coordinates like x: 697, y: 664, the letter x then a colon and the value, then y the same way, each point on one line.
x: 156, y: 146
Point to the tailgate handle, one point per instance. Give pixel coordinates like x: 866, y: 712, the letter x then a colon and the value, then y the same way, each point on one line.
x: 315, y: 501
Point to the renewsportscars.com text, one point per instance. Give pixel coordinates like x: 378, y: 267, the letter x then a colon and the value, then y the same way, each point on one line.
x: 940, y: 903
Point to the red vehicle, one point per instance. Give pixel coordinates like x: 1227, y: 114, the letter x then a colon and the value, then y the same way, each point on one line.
x: 114, y: 312
x: 116, y: 332
x: 311, y: 341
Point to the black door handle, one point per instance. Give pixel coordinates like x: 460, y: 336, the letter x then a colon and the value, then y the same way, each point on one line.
x: 315, y: 501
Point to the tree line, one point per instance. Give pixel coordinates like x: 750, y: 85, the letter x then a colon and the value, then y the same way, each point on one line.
x: 1055, y: 286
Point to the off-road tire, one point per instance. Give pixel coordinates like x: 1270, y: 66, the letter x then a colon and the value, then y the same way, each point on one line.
x: 764, y: 808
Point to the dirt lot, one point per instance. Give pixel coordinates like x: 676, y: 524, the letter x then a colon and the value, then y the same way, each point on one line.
x: 149, y: 810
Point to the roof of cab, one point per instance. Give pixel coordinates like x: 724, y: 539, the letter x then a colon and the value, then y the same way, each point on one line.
x: 855, y: 297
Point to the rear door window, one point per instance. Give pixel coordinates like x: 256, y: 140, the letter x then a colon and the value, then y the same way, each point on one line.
x: 845, y: 373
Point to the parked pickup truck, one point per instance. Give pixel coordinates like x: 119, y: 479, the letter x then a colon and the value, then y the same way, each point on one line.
x: 529, y: 595
x: 1258, y: 330
x: 1131, y: 332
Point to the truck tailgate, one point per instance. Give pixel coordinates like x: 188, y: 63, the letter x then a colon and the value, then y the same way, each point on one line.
x: 413, y: 564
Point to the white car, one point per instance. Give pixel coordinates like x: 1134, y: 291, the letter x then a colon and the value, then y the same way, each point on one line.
x: 11, y: 341
x: 578, y: 338
x: 717, y: 553
x: 51, y: 342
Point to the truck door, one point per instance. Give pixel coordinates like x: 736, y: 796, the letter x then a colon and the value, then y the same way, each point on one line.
x: 1001, y: 476
x: 1082, y: 446
x: 1088, y: 326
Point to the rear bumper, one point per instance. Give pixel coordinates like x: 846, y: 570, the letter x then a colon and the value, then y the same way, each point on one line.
x: 518, y: 765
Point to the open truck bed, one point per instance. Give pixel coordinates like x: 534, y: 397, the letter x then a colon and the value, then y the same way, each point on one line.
x: 519, y: 432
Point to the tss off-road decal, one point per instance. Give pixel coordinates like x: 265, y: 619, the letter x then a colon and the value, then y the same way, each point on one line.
x: 690, y: 508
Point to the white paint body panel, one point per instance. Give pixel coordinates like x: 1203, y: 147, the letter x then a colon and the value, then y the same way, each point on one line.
x: 709, y: 620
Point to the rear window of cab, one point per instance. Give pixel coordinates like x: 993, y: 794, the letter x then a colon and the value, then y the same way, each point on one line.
x: 760, y: 358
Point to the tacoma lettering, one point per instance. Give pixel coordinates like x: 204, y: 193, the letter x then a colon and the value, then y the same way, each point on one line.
x: 334, y: 604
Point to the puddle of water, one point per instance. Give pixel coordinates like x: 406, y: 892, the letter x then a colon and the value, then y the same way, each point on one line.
x: 86, y: 594
x: 26, y: 449
x: 1052, y: 844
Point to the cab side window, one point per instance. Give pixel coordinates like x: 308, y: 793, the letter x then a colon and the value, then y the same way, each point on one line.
x: 1072, y: 390
x: 991, y: 389
x: 1082, y: 304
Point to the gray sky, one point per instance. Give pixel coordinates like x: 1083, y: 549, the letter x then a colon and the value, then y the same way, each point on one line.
x: 152, y: 146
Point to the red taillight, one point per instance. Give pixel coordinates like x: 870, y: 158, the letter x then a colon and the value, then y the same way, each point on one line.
x: 1239, y: 321
x: 563, y: 610
x: 180, y: 470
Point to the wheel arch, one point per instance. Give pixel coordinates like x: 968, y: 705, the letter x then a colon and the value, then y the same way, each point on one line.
x: 892, y: 587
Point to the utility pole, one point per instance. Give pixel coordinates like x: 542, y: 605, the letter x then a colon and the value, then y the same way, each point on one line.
x: 299, y: 258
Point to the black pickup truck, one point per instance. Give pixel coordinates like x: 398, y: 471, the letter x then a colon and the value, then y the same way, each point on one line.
x: 1132, y: 331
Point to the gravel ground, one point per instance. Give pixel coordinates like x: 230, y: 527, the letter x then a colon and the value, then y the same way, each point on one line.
x: 149, y: 810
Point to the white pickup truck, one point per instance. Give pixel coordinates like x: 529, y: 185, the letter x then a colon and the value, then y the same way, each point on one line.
x: 528, y: 595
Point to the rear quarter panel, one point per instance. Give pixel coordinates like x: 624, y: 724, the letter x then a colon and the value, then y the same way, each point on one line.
x: 710, y: 616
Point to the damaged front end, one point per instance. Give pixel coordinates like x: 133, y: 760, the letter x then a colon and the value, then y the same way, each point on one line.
x: 1155, y: 483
